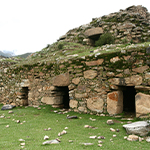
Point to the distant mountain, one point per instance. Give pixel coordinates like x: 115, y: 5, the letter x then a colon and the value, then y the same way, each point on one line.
x: 5, y: 54
x: 24, y: 55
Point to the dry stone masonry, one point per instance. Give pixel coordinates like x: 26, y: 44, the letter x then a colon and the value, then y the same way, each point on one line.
x: 110, y: 82
x: 90, y: 85
x: 129, y: 25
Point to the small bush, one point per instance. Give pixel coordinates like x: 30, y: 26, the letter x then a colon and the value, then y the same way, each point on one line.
x: 60, y: 46
x: 106, y: 38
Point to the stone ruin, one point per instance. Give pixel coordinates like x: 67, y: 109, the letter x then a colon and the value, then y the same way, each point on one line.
x: 112, y: 82
x: 129, y: 25
x: 99, y: 83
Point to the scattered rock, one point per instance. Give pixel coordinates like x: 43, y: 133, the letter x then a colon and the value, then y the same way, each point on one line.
x: 87, y: 144
x: 72, y: 117
x: 102, y: 115
x: 63, y: 132
x: 92, y: 119
x: 93, y: 137
x: 2, y: 116
x: 70, y: 141
x: 66, y: 128
x: 148, y: 139
x: 117, y: 130
x: 21, y: 140
x: 110, y: 122
x: 133, y: 138
x: 7, y: 107
x: 56, y: 141
x: 141, y: 139
x: 22, y: 144
x: 141, y: 128
x: 100, y: 145
x: 100, y: 142
x: 46, y: 137
x: 86, y: 126
x: 10, y: 112
x: 113, y: 130
x: 100, y: 137
x: 7, y: 126
x: 111, y: 140
x: 114, y: 135
x: 18, y: 121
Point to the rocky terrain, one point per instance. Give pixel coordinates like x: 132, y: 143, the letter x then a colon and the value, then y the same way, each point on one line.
x: 74, y: 73
x: 129, y: 25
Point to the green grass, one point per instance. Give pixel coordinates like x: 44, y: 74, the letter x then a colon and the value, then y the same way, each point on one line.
x: 32, y: 131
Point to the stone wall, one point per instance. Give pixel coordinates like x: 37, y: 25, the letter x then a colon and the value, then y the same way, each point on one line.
x: 94, y: 82
x: 129, y: 25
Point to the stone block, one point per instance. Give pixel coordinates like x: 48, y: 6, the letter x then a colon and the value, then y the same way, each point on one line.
x: 129, y: 81
x: 93, y: 32
x: 73, y: 103
x: 76, y: 81
x: 81, y: 95
x: 142, y: 104
x: 95, y: 63
x: 115, y: 102
x: 52, y: 100
x: 61, y: 80
x: 95, y: 104
x: 90, y: 74
x: 140, y: 69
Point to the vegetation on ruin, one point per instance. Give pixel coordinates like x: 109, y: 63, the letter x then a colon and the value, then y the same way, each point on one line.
x: 64, y: 51
x: 34, y: 122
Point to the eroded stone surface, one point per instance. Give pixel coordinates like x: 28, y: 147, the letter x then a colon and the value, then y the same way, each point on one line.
x: 142, y: 103
x: 95, y: 104
x: 141, y: 128
x: 73, y: 103
x: 52, y: 100
x: 115, y: 102
x: 129, y: 81
x: 93, y: 31
x: 61, y: 80
x: 140, y: 69
x: 90, y: 74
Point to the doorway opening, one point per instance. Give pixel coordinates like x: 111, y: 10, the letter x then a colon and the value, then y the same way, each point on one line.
x: 24, y: 96
x: 129, y: 93
x: 66, y: 100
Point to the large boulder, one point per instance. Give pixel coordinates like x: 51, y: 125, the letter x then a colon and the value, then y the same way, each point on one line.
x: 61, y: 80
x: 142, y: 103
x: 7, y: 107
x: 141, y: 128
x: 93, y: 31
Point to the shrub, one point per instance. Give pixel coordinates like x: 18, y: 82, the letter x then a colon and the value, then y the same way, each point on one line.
x: 106, y: 38
x: 60, y: 46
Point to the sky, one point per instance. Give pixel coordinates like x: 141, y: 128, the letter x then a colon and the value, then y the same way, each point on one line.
x: 29, y: 25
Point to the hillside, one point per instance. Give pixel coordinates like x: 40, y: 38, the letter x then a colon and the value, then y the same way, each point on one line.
x: 128, y: 27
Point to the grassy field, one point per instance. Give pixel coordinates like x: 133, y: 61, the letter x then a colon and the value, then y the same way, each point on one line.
x: 33, y: 122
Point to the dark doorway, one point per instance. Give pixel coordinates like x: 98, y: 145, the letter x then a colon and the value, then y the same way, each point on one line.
x: 24, y: 96
x: 129, y: 98
x: 65, y: 94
